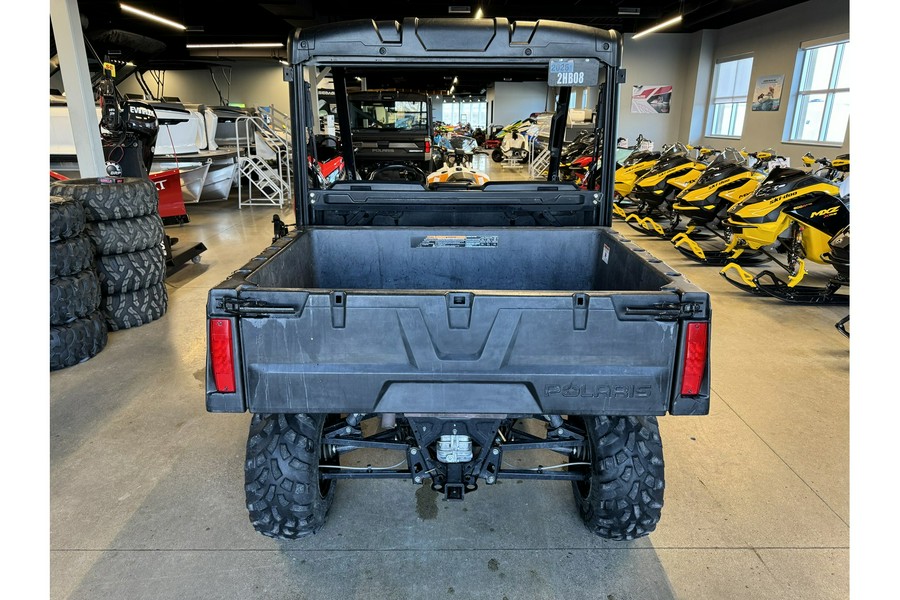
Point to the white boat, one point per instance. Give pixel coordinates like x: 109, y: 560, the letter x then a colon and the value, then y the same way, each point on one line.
x: 186, y: 140
x: 192, y: 180
x: 227, y: 123
x: 220, y: 176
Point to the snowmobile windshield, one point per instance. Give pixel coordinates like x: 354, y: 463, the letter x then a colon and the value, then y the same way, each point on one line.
x: 845, y: 189
x: 676, y: 149
x: 638, y: 156
x: 779, y: 182
x: 718, y: 169
x: 728, y: 156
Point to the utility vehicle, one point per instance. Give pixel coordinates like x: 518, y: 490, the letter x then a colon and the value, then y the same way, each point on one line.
x: 452, y: 323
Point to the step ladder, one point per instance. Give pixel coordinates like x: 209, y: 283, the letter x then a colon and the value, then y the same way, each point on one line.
x: 539, y: 164
x: 264, y: 164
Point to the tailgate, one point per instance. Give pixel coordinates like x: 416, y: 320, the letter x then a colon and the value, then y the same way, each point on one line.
x: 460, y: 352
x: 396, y: 145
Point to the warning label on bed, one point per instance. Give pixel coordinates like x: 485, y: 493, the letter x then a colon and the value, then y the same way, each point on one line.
x: 455, y: 241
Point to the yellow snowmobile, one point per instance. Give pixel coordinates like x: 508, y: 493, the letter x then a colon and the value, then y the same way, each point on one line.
x: 628, y: 171
x: 699, y: 187
x: 799, y: 213
x: 836, y: 169
x: 653, y: 191
x: 728, y: 180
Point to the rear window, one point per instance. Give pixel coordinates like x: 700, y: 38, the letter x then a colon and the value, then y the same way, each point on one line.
x: 390, y: 115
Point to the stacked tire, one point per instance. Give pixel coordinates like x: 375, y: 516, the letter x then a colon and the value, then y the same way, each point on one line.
x: 124, y: 227
x: 78, y: 328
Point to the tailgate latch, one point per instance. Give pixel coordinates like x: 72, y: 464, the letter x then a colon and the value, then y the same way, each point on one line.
x: 666, y: 311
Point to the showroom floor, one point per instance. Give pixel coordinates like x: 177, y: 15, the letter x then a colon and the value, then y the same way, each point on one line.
x: 146, y: 487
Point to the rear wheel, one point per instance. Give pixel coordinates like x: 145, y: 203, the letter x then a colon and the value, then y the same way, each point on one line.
x: 622, y: 495
x: 286, y: 497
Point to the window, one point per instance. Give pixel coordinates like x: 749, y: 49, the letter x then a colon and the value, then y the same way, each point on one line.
x: 731, y: 86
x: 461, y: 113
x: 822, y: 104
x: 388, y: 114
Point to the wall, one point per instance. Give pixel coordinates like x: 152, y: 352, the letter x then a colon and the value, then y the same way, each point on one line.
x: 660, y: 58
x: 191, y: 86
x: 257, y: 84
x: 699, y: 80
x: 514, y: 100
x: 252, y: 83
x: 774, y: 40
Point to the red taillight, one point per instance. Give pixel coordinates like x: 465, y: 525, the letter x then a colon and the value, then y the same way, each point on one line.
x: 427, y: 146
x: 695, y: 351
x: 220, y: 349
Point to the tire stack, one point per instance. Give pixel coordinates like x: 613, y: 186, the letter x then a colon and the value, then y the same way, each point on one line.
x: 77, y: 327
x: 124, y: 227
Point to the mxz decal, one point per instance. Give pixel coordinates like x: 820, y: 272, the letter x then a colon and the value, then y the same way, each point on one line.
x: 826, y: 212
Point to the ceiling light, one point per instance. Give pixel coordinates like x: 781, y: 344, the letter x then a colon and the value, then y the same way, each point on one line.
x: 455, y: 80
x: 479, y: 13
x: 285, y: 63
x: 662, y: 25
x: 253, y: 45
x: 146, y: 15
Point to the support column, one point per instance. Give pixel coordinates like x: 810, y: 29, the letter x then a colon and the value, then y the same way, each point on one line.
x: 77, y: 80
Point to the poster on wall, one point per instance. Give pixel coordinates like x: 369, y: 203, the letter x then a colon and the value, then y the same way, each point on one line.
x: 651, y: 99
x: 767, y: 93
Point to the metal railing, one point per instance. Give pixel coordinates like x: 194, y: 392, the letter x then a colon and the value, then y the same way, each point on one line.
x: 264, y: 163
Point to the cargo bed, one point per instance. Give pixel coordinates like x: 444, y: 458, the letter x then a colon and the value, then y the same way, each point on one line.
x: 473, y: 320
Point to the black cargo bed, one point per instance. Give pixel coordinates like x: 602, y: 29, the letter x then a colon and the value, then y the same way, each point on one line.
x: 538, y: 259
x: 462, y: 320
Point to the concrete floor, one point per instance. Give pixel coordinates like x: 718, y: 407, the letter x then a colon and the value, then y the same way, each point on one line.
x: 146, y: 487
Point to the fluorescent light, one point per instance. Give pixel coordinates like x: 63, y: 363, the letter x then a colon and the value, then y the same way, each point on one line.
x: 479, y: 13
x: 455, y: 80
x: 146, y: 15
x: 662, y: 25
x: 452, y: 88
x: 254, y: 45
x: 285, y: 63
